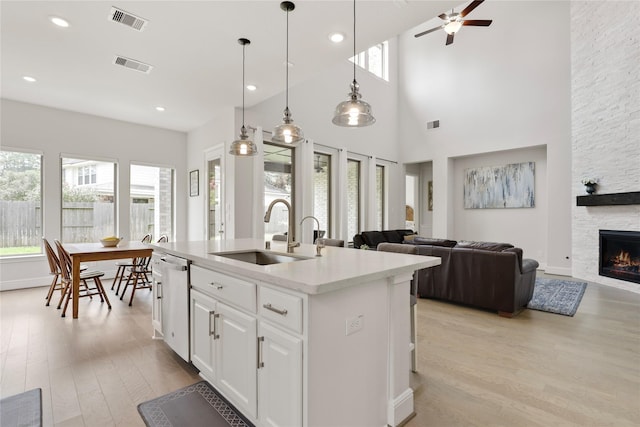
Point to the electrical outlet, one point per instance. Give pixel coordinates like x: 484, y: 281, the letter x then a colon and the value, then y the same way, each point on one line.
x: 354, y: 324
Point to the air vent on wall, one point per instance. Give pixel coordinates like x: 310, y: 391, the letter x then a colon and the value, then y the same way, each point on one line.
x: 133, y: 64
x: 433, y: 125
x: 125, y: 18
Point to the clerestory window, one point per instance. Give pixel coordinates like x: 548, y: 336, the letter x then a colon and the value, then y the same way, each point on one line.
x: 375, y: 60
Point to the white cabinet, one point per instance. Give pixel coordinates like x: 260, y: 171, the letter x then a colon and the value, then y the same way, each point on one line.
x: 156, y: 288
x: 259, y: 369
x: 279, y: 377
x: 203, y: 310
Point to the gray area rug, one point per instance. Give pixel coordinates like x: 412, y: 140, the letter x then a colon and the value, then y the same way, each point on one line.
x: 22, y: 410
x: 557, y: 296
x: 193, y: 406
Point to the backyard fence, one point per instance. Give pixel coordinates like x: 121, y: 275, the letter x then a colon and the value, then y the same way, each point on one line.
x: 21, y: 222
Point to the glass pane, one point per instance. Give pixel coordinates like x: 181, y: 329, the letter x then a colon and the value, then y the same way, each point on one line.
x: 322, y: 191
x: 375, y: 60
x: 278, y: 184
x: 88, y: 210
x: 353, y: 198
x: 380, y: 197
x: 151, y: 209
x: 21, y: 203
x: 215, y: 186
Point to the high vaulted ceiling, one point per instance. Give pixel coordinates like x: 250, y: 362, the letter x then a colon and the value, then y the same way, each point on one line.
x: 192, y: 46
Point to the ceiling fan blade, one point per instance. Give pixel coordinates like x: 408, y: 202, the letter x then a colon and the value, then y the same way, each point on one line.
x: 443, y: 16
x: 449, y: 39
x: 428, y: 31
x: 477, y: 22
x: 469, y: 8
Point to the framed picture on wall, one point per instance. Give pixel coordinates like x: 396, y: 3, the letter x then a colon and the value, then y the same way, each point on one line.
x: 194, y: 183
x: 430, y: 195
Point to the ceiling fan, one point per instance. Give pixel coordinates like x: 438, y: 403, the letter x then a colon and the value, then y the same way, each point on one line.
x: 453, y: 21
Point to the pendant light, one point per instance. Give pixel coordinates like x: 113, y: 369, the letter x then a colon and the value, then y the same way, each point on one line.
x: 354, y: 112
x: 287, y: 132
x: 244, y: 146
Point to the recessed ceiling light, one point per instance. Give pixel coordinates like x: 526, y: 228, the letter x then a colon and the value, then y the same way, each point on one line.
x: 59, y: 21
x: 29, y: 79
x: 160, y: 108
x: 336, y: 37
x: 252, y: 87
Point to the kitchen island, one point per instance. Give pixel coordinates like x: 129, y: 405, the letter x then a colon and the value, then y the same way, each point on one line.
x: 306, y: 340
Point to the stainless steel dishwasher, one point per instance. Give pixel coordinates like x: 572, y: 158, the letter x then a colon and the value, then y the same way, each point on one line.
x: 173, y: 291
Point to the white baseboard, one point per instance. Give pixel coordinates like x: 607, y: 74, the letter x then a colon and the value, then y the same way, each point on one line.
x: 400, y: 408
x: 560, y: 271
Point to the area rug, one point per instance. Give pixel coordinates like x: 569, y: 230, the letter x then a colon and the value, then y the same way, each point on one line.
x: 22, y: 410
x: 557, y: 296
x: 193, y: 406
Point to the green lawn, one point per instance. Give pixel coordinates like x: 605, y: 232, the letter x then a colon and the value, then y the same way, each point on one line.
x: 21, y: 250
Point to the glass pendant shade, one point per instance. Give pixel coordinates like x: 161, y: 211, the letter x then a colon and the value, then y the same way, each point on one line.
x: 287, y: 132
x: 243, y: 147
x: 353, y: 112
x: 453, y: 27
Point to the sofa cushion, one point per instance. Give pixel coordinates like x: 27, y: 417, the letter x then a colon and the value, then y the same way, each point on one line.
x: 434, y: 242
x: 373, y: 238
x: 392, y: 236
x: 487, y: 246
x: 409, y: 238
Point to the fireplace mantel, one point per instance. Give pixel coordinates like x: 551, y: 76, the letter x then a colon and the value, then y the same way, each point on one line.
x: 613, y: 199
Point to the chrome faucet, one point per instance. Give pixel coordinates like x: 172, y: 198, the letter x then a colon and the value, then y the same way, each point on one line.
x: 318, y: 242
x: 291, y: 243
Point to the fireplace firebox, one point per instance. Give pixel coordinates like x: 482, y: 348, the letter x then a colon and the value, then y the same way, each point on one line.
x: 620, y: 255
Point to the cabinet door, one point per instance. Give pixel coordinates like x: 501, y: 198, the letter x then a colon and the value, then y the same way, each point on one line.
x: 279, y: 378
x: 236, y: 362
x: 202, y: 333
x: 156, y: 304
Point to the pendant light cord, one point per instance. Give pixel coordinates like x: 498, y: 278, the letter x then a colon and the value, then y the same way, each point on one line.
x: 354, y: 41
x: 244, y: 46
x: 287, y: 64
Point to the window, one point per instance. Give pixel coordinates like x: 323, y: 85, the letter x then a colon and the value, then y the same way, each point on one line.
x: 322, y: 191
x: 152, y: 202
x: 375, y: 60
x: 278, y: 184
x: 353, y: 198
x: 88, y: 209
x: 215, y: 192
x: 20, y: 203
x: 380, y: 201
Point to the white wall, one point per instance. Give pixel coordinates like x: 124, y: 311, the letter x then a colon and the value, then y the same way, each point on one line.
x: 523, y: 227
x: 605, y: 124
x: 494, y: 89
x: 53, y: 132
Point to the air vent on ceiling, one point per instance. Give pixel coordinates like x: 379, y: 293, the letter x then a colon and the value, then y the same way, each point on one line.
x: 125, y: 18
x: 133, y: 64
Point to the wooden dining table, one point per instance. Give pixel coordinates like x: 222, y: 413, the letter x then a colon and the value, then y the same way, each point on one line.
x: 84, y: 252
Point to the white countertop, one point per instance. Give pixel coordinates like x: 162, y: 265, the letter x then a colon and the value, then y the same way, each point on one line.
x: 337, y: 268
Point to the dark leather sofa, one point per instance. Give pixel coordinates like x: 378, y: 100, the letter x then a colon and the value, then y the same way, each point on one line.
x: 373, y: 238
x: 493, y: 276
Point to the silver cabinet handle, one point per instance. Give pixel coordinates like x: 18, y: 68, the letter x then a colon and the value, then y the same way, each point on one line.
x: 218, y: 286
x: 282, y: 312
x: 260, y: 362
x: 213, y: 330
x: 159, y: 291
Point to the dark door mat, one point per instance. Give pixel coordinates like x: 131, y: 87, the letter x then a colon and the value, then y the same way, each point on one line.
x: 23, y: 410
x: 193, y: 406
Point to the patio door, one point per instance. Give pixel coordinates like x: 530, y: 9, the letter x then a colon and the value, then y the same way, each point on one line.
x: 215, y: 193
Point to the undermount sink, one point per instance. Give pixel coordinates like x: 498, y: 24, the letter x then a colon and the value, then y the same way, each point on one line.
x: 260, y: 257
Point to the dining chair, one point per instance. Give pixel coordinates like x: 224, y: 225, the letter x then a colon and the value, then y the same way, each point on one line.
x: 67, y: 280
x: 55, y: 270
x: 124, y: 265
x: 138, y: 277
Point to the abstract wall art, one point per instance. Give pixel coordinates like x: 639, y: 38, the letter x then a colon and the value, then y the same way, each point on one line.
x: 508, y: 186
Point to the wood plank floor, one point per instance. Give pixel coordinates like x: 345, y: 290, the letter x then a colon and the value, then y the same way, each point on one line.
x: 475, y: 368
